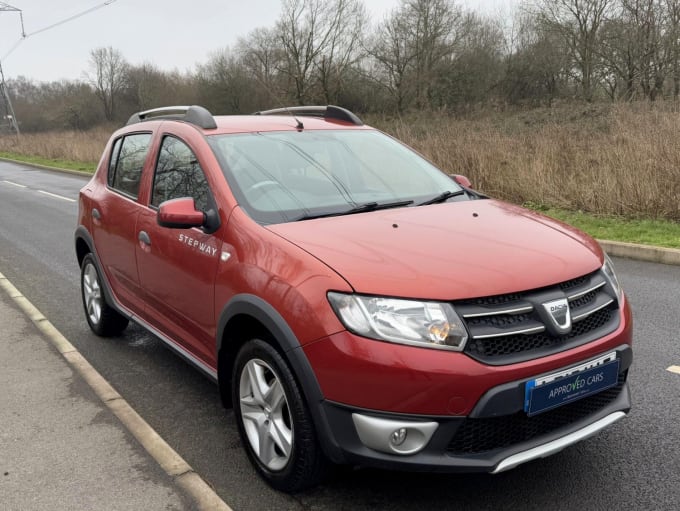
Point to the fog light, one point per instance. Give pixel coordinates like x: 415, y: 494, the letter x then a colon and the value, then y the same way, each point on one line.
x: 398, y: 437
x: 393, y: 436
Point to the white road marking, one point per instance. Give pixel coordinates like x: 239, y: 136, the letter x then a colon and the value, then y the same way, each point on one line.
x: 674, y: 369
x: 56, y: 196
x: 14, y: 184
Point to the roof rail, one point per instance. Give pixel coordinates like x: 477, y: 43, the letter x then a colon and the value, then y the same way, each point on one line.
x: 194, y: 114
x: 327, y: 112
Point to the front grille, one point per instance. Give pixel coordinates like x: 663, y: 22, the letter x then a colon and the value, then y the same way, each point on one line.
x: 509, y: 328
x: 477, y: 436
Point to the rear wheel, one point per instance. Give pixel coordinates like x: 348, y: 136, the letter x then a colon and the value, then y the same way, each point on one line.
x: 102, y: 318
x: 273, y: 420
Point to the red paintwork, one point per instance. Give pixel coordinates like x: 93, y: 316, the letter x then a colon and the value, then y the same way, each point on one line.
x: 251, y: 123
x: 444, y: 251
x: 294, y: 282
x: 462, y: 180
x: 378, y: 375
x: 182, y: 212
x: 447, y: 251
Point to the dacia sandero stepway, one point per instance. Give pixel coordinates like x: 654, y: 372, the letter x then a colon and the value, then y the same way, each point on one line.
x: 355, y: 304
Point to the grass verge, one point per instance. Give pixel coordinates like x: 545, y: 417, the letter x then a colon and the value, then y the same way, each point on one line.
x: 660, y: 233
x: 59, y: 164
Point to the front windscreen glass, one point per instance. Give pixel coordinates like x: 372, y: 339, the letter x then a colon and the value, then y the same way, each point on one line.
x: 295, y: 175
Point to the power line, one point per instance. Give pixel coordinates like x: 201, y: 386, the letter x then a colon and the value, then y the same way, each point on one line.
x: 24, y: 35
x: 4, y: 95
x: 7, y: 113
x: 75, y: 16
x: 7, y: 7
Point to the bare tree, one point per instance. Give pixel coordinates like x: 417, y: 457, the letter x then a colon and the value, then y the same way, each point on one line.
x: 226, y: 85
x: 646, y: 31
x: 342, y: 50
x: 673, y: 31
x: 262, y: 55
x: 320, y: 39
x: 394, y: 56
x: 415, y: 49
x: 435, y: 28
x: 579, y: 23
x: 619, y: 58
x: 146, y: 85
x: 473, y: 71
x: 304, y: 34
x: 537, y: 63
x: 109, y: 73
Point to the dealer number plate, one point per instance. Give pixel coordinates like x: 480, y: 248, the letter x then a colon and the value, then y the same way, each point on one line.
x: 563, y: 387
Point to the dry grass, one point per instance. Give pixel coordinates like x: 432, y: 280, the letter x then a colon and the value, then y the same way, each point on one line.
x: 615, y: 160
x: 621, y: 160
x: 78, y: 146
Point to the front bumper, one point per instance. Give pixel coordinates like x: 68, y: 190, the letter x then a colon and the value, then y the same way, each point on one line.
x: 496, y: 436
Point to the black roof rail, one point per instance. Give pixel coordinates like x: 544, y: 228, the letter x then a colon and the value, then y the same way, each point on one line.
x: 194, y: 114
x: 327, y: 112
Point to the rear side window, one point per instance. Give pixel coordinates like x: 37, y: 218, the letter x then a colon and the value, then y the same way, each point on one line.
x: 114, y: 161
x: 178, y: 174
x: 127, y: 162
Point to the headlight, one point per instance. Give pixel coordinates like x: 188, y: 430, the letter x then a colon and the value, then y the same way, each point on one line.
x: 425, y: 324
x: 608, y: 270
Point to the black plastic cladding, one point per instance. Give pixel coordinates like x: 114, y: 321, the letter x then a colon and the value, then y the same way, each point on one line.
x: 487, y: 434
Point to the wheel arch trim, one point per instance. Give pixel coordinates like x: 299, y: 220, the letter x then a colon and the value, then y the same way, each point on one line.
x: 293, y: 354
x: 82, y: 234
x: 288, y: 343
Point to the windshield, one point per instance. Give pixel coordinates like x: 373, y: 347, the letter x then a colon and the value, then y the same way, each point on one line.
x: 294, y: 175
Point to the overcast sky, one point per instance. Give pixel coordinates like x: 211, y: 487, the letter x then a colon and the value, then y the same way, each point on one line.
x: 171, y: 34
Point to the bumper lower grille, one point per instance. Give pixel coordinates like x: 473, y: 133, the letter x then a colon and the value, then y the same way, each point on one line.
x: 477, y: 436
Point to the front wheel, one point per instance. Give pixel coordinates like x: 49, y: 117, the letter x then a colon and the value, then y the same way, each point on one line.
x: 273, y: 420
x: 102, y: 318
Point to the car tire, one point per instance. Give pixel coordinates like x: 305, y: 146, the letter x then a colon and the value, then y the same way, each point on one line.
x: 102, y: 318
x: 273, y: 420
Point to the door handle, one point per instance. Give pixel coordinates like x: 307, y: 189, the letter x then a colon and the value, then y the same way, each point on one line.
x: 144, y: 238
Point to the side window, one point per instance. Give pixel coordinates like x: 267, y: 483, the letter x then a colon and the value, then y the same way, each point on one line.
x: 114, y: 161
x: 178, y: 174
x: 126, y: 175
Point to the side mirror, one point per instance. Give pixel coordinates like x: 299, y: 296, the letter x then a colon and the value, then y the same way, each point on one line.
x: 462, y: 181
x: 180, y: 214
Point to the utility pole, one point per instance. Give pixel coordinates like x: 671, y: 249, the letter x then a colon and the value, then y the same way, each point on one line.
x: 7, y: 115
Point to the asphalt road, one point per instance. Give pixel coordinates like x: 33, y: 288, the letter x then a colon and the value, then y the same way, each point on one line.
x: 635, y: 464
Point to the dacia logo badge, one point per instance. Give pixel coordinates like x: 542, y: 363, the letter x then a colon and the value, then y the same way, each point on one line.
x: 559, y: 314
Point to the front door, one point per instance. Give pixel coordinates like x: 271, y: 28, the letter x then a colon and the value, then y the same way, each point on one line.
x: 177, y: 267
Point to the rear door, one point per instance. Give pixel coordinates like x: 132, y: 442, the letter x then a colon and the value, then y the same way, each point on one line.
x: 114, y: 215
x: 177, y: 267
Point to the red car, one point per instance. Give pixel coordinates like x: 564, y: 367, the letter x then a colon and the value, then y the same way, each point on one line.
x: 354, y: 303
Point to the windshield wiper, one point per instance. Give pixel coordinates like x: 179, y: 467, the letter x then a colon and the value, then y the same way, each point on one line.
x: 442, y: 197
x: 361, y: 208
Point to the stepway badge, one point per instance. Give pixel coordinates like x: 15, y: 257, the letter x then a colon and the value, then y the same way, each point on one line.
x: 557, y: 389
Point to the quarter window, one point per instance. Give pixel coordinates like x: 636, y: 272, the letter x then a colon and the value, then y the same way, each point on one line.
x: 114, y: 161
x: 178, y: 174
x: 127, y: 162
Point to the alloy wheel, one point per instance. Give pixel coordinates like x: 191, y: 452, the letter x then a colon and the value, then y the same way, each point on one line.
x: 92, y: 294
x: 265, y: 414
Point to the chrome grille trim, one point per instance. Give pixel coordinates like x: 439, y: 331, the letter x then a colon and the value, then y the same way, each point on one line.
x: 583, y: 293
x: 516, y: 310
x: 591, y: 312
x: 526, y: 331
